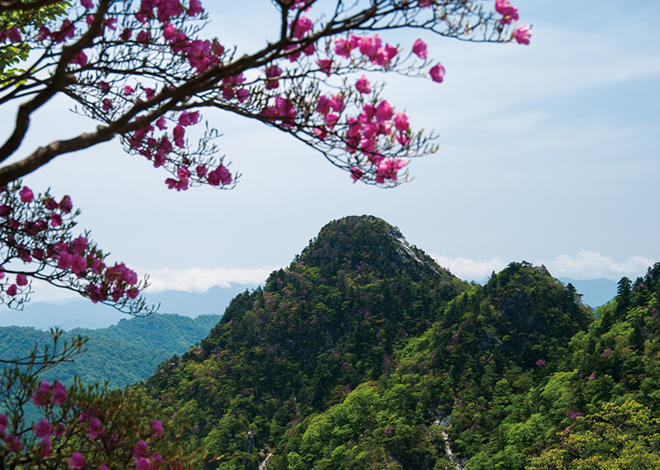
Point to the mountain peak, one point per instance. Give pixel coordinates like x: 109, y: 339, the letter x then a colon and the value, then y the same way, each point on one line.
x: 355, y: 240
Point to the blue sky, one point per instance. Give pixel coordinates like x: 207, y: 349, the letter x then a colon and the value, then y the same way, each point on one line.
x: 549, y: 153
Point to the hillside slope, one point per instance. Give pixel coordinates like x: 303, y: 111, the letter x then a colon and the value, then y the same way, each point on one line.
x: 359, y: 307
x: 122, y: 354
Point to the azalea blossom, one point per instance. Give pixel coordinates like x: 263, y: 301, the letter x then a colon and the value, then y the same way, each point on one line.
x: 419, y: 48
x: 522, y: 34
x: 437, y: 73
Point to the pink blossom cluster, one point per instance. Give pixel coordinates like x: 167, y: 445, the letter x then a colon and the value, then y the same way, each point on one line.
x: 48, y: 394
x: 144, y: 460
x: 157, y: 149
x: 13, y: 34
x: 281, y: 110
x: 573, y: 415
x: 76, y: 255
x: 369, y: 46
x: 363, y: 132
x: 12, y: 442
x: 509, y: 13
x: 231, y: 88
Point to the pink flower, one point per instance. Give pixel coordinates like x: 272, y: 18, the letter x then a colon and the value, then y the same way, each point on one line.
x: 149, y: 93
x: 401, y: 121
x: 522, y: 34
x: 272, y: 74
x: 94, y: 430
x: 187, y: 119
x: 87, y: 4
x: 65, y: 260
x: 26, y: 195
x: 59, y: 393
x: 128, y: 90
x: 384, y: 111
x: 356, y: 174
x: 331, y: 120
x: 369, y: 45
x: 325, y: 65
x: 388, y: 168
x: 45, y: 448
x: 40, y: 395
x: 44, y: 33
x: 67, y: 30
x: 419, y: 48
x: 508, y: 11
x: 156, y: 428
x: 142, y: 464
x: 321, y: 132
x: 43, y: 429
x: 143, y: 37
x: 437, y: 73
x: 76, y: 461
x: 195, y: 8
x: 79, y: 59
x: 403, y: 138
x: 140, y: 450
x: 343, y: 48
x: 14, y: 34
x: 126, y: 34
x: 179, y: 133
x: 337, y: 103
x: 65, y: 205
x: 309, y: 50
x: 592, y: 377
x: 104, y: 87
x: 301, y: 26
x: 219, y: 175
x: 362, y: 85
x: 424, y: 3
x: 13, y: 443
x: 55, y: 219
x: 21, y: 280
x: 59, y: 429
x: 106, y: 105
x: 242, y: 94
x: 168, y: 9
x: 323, y: 105
x: 391, y: 51
x: 161, y: 123
x: 110, y: 23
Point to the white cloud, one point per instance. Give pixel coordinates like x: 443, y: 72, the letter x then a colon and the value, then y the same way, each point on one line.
x: 470, y: 269
x: 200, y: 280
x: 591, y: 265
x: 584, y: 265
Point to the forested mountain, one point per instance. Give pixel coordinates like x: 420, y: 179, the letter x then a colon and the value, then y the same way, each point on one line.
x: 364, y: 353
x: 122, y: 354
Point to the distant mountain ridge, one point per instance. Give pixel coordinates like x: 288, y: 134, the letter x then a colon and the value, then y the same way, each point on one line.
x: 122, y: 354
x: 84, y: 314
x: 595, y: 292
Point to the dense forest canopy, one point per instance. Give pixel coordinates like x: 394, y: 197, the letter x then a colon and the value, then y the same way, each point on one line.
x: 364, y: 353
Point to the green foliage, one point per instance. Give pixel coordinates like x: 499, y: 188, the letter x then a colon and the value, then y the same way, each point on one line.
x: 364, y: 353
x: 12, y: 54
x: 619, y: 437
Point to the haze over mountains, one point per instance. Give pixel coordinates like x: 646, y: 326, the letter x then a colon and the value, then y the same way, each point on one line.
x: 82, y: 313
